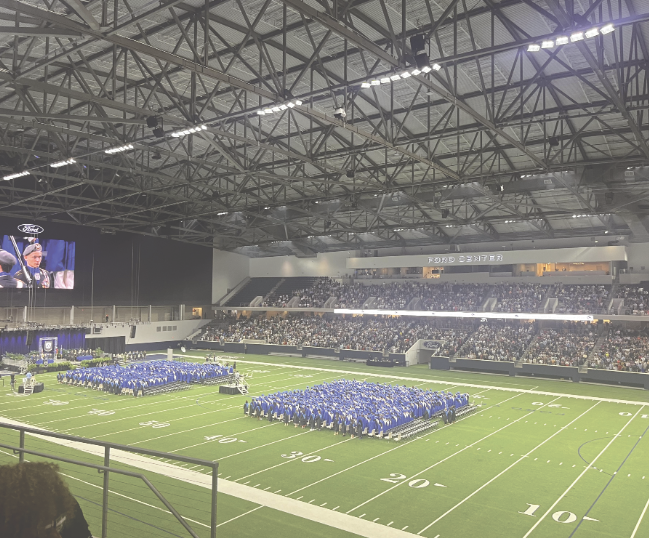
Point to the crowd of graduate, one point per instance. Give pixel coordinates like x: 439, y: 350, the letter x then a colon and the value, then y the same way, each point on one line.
x: 354, y: 407
x: 138, y: 379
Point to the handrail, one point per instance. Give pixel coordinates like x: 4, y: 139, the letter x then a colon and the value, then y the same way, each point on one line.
x: 107, y: 470
x: 214, y: 465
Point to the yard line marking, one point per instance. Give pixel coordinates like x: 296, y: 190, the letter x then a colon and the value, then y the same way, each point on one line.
x: 240, y: 515
x: 296, y: 459
x: 257, y: 447
x: 395, y: 448
x: 441, y: 461
x: 444, y: 382
x: 609, y: 482
x: 637, y: 525
x: 216, y: 440
x: 116, y: 493
x: 582, y: 474
x: 508, y: 468
x: 375, y: 520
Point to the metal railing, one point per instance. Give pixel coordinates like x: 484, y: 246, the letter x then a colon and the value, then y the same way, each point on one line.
x: 106, y: 470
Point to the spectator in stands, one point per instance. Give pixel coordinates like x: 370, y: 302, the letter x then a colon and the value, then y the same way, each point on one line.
x: 499, y: 341
x: 518, y: 297
x: 636, y: 299
x: 569, y: 346
x: 36, y: 503
x: 582, y: 299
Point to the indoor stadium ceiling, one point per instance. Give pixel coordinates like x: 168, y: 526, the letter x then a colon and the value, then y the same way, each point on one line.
x: 307, y: 138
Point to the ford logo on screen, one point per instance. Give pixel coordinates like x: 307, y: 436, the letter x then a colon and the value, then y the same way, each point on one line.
x: 33, y: 229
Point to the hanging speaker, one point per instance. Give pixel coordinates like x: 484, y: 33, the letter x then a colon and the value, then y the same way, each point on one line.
x: 417, y: 43
x: 30, y: 338
x: 133, y: 328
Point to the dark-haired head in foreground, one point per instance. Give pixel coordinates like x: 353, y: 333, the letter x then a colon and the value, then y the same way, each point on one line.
x: 35, y: 502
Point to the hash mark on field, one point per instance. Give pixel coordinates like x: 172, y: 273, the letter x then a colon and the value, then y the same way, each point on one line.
x: 336, y: 508
x: 248, y: 482
x: 361, y: 516
x: 375, y: 520
x: 266, y: 489
x: 323, y: 504
x: 405, y: 528
x: 257, y: 485
x: 227, y: 477
x: 299, y: 497
x: 311, y: 501
x: 278, y: 491
x: 391, y: 522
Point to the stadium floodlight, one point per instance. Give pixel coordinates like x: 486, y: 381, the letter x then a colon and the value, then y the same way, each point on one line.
x: 191, y: 130
x: 577, y: 36
x: 119, y: 149
x: 59, y: 164
x: 283, y: 107
x: 385, y: 80
x: 14, y: 176
x: 416, y: 72
x: 606, y: 29
x: 406, y: 74
x: 261, y: 112
x: 298, y: 102
x: 427, y: 69
x: 395, y: 77
x: 547, y: 44
x: 275, y: 109
x: 366, y: 85
x: 290, y: 104
x: 533, y: 47
x: 375, y: 82
x: 591, y: 33
x: 563, y: 40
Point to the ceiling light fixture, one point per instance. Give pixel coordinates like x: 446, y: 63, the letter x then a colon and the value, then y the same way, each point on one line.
x: 119, y: 149
x: 283, y: 106
x: 14, y: 176
x: 191, y: 130
x: 579, y: 35
x: 59, y: 164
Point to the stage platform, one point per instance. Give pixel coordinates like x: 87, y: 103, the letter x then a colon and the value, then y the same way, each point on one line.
x: 38, y: 387
x: 228, y: 389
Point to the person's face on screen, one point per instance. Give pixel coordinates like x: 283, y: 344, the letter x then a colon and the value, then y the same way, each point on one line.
x: 34, y: 259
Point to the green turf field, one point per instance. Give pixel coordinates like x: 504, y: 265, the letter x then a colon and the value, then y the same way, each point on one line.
x: 540, y: 458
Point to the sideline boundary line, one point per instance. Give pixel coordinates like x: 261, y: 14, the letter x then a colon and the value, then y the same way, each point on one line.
x: 508, y: 468
x: 324, y: 516
x: 455, y: 383
x: 588, y: 468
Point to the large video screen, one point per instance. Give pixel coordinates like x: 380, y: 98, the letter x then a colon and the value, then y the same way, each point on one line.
x: 34, y: 262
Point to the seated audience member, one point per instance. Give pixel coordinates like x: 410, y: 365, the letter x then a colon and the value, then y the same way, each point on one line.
x: 35, y: 502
